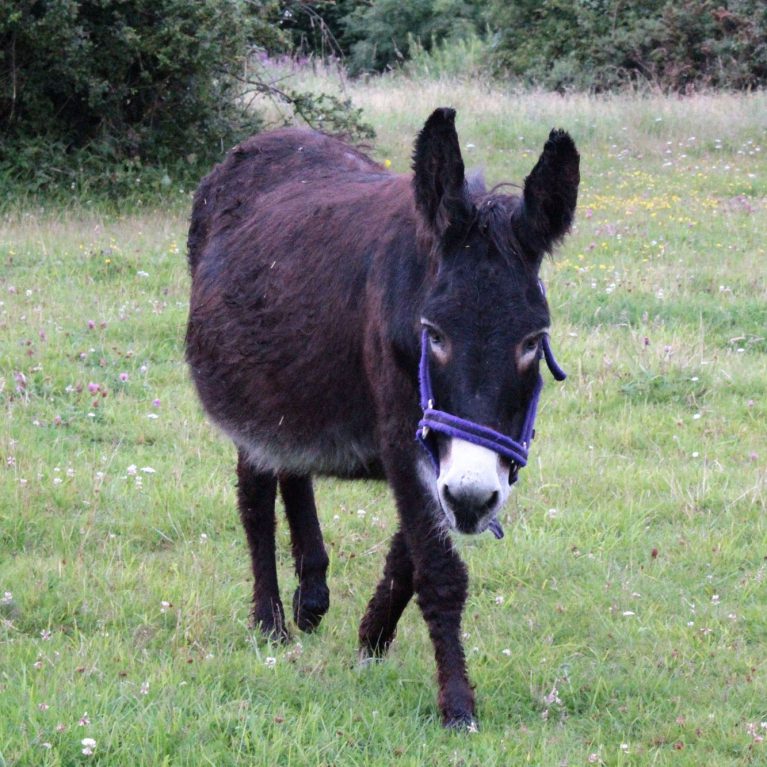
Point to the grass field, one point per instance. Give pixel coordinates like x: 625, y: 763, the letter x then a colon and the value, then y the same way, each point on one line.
x: 623, y: 619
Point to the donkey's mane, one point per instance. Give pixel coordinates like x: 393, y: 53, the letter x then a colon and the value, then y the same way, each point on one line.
x: 494, y: 213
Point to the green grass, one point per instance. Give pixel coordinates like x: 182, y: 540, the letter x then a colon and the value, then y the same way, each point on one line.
x: 622, y: 621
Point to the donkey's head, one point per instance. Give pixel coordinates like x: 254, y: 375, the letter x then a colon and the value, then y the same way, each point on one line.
x: 484, y: 312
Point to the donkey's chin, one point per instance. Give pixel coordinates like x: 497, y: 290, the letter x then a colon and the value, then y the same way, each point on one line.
x: 474, y: 526
x: 468, y: 527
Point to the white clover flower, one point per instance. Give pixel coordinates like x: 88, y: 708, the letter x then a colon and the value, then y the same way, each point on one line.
x: 89, y: 746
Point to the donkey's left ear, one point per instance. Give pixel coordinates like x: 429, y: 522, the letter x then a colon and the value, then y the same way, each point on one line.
x: 438, y: 181
x: 550, y: 196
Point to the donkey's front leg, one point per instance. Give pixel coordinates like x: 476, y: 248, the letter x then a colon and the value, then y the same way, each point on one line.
x: 394, y: 590
x: 441, y: 583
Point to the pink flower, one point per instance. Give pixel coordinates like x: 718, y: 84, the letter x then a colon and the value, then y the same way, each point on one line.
x: 93, y: 387
x: 91, y: 324
x: 123, y: 377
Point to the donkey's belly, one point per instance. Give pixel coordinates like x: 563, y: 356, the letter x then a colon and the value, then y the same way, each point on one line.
x: 339, y: 451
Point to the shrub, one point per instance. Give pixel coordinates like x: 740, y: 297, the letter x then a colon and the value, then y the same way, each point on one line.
x: 464, y: 57
x: 141, y: 82
x: 99, y: 94
x: 379, y: 34
x: 674, y: 45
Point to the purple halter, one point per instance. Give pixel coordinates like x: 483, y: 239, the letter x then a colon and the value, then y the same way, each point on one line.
x: 516, y: 450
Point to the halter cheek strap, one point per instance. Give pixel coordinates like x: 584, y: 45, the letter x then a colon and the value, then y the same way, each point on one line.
x: 434, y: 420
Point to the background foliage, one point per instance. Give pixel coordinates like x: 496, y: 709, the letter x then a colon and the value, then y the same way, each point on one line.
x: 114, y: 96
x: 379, y: 35
x: 563, y: 44
x: 111, y: 93
x: 122, y: 84
x: 603, y: 44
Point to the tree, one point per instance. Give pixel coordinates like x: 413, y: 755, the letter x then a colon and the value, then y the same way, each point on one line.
x: 111, y: 88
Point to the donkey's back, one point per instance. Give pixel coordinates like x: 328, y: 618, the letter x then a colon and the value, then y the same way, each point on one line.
x: 262, y: 165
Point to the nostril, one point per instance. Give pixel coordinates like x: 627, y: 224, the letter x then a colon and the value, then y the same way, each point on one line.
x: 449, y: 497
x: 491, y: 501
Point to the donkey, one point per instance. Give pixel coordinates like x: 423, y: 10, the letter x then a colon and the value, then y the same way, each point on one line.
x: 336, y: 308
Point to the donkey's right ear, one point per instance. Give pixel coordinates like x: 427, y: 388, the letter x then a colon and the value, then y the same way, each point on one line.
x: 550, y: 196
x: 438, y: 181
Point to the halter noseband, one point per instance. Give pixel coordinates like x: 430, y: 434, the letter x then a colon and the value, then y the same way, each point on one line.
x: 516, y: 450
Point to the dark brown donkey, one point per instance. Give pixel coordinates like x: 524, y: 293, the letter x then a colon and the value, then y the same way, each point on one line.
x: 320, y: 282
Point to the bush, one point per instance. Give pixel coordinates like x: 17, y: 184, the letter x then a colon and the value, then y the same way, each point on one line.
x: 673, y: 45
x: 316, y: 27
x: 104, y: 95
x: 465, y: 57
x: 380, y: 34
x: 122, y: 83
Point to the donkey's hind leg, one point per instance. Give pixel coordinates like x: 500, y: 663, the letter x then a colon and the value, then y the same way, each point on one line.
x: 256, y: 493
x: 394, y: 590
x: 311, y: 599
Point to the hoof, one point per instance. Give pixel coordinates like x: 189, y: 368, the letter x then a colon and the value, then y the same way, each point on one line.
x: 274, y: 633
x: 310, y: 605
x: 374, y: 640
x: 271, y: 625
x: 376, y: 648
x: 366, y: 658
x: 461, y: 723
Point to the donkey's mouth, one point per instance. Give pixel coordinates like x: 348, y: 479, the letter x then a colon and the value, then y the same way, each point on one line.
x: 492, y: 525
x: 472, y: 510
x: 473, y: 524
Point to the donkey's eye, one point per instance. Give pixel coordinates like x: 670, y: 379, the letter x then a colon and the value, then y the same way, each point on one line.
x: 530, y: 345
x: 438, y: 342
x: 529, y: 351
x: 435, y: 337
